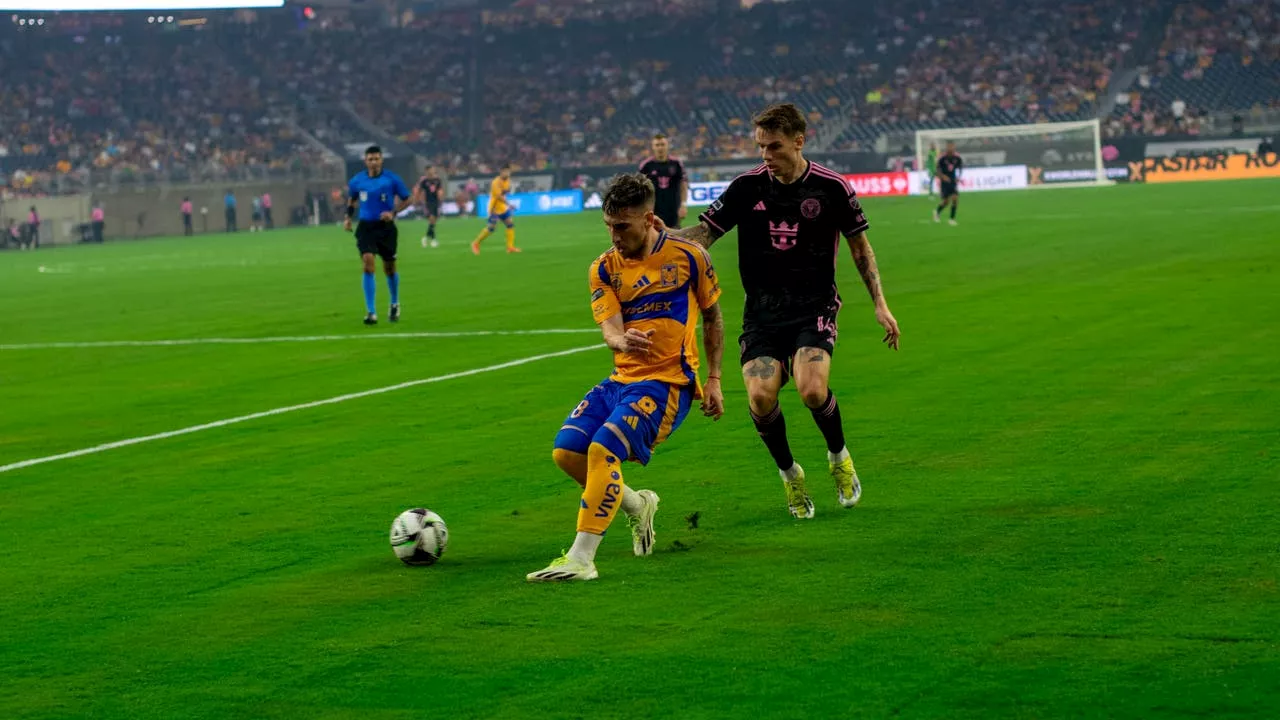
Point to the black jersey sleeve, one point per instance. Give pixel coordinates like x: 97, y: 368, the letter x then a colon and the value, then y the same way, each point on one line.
x: 727, y: 211
x: 849, y: 214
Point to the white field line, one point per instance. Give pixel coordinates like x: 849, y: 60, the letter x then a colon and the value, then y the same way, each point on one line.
x: 290, y: 339
x: 291, y: 408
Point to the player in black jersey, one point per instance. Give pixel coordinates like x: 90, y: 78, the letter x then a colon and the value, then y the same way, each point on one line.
x: 949, y: 167
x: 431, y: 191
x: 790, y: 214
x: 669, y: 180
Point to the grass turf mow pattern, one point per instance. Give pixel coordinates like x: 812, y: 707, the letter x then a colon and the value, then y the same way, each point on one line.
x: 1070, y: 478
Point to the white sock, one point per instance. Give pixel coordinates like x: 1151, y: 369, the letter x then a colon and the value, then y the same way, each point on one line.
x: 631, y: 502
x: 585, y: 546
x: 791, y: 473
x: 838, y: 457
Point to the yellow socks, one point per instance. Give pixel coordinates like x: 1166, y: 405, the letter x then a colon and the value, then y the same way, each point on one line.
x: 603, y: 494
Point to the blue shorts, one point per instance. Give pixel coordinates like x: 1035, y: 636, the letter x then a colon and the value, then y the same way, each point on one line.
x: 646, y: 413
x: 504, y: 217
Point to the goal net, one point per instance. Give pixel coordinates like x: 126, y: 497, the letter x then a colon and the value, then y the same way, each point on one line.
x: 1053, y: 154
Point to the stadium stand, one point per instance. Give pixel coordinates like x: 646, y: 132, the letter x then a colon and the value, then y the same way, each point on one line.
x: 574, y: 84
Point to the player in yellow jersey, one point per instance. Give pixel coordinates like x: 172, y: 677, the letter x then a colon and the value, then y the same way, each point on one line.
x: 499, y: 209
x: 646, y: 294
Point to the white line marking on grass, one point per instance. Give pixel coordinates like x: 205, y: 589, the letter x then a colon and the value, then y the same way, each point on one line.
x: 995, y: 217
x: 293, y: 339
x: 280, y: 411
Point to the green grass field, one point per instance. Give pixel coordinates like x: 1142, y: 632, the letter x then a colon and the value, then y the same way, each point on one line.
x: 1070, y: 480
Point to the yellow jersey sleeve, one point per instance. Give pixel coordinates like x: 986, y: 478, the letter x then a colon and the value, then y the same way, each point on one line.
x: 706, y: 286
x: 604, y: 301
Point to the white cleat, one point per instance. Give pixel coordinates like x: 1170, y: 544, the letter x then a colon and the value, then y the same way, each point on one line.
x: 564, y: 569
x: 936, y: 216
x: 952, y: 222
x: 642, y: 524
x: 798, y: 501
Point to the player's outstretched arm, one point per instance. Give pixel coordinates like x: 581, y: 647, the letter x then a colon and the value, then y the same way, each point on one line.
x: 702, y: 233
x: 713, y: 344
x: 865, y: 259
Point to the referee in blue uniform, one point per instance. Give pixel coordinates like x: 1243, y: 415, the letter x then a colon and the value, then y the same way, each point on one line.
x: 374, y: 194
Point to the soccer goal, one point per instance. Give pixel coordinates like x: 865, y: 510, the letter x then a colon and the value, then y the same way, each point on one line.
x: 1066, y: 154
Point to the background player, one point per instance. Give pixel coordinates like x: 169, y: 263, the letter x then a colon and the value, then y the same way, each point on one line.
x: 787, y: 212
x: 949, y: 166
x: 931, y: 165
x: 643, y: 293
x: 431, y: 190
x: 669, y: 181
x: 499, y: 209
x: 379, y: 195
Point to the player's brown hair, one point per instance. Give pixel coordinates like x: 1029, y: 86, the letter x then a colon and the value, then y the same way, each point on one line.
x: 626, y: 192
x: 660, y: 136
x: 783, y: 118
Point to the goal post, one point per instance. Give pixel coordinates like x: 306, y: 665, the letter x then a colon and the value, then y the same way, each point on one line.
x: 1056, y: 155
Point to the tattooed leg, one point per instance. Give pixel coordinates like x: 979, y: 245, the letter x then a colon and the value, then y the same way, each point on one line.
x: 763, y: 377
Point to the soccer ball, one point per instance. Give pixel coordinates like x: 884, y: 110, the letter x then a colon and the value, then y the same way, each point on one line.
x: 419, y: 537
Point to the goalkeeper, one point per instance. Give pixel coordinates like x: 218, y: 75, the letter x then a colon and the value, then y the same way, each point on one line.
x: 931, y: 165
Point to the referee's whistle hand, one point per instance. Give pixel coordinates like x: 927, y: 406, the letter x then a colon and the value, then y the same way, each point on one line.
x: 387, y: 216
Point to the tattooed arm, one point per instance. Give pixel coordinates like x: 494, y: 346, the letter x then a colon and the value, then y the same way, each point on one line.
x: 713, y: 339
x: 713, y: 343
x: 702, y: 233
x: 865, y: 258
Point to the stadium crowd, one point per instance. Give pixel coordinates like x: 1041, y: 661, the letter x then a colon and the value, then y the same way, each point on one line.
x: 572, y: 84
x: 1221, y: 55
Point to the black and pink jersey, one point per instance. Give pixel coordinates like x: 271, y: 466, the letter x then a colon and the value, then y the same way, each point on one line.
x: 667, y: 177
x: 788, y: 239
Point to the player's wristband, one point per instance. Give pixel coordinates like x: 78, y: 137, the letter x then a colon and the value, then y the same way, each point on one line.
x: 712, y: 377
x: 351, y: 212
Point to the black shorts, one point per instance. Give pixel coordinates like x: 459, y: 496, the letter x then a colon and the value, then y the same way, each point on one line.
x: 378, y: 238
x: 947, y: 189
x: 780, y: 341
x: 431, y: 210
x: 670, y: 218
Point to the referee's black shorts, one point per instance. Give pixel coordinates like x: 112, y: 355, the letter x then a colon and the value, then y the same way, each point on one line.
x: 377, y: 237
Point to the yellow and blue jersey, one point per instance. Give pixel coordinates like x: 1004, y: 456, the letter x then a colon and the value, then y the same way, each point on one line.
x: 498, y: 190
x: 663, y: 292
x: 648, y: 395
